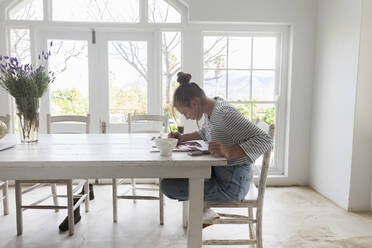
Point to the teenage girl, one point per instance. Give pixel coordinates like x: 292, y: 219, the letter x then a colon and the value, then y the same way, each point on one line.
x: 228, y: 133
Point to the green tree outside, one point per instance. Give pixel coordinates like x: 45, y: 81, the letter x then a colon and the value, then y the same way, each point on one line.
x: 69, y: 102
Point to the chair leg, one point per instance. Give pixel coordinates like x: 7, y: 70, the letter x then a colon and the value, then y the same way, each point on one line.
x: 54, y: 194
x: 161, y: 207
x: 259, y: 231
x: 185, y: 217
x: 18, y: 194
x: 115, y: 199
x: 133, y: 188
x: 251, y: 225
x: 70, y: 203
x: 5, y: 199
x: 86, y: 191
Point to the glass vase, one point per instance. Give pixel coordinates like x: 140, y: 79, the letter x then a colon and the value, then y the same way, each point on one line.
x: 28, y: 113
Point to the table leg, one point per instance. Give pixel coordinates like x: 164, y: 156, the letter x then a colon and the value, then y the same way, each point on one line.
x: 18, y: 190
x: 185, y: 214
x: 196, y: 201
x: 6, y: 199
x: 115, y: 200
x: 70, y: 203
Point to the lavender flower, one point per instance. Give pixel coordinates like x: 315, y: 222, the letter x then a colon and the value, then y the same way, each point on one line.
x: 25, y: 80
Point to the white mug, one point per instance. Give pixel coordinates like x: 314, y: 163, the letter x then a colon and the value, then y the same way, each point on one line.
x: 166, y: 146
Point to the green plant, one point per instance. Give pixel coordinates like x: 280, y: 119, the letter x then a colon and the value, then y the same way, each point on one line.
x: 268, y: 115
x: 25, y: 80
x: 26, y: 83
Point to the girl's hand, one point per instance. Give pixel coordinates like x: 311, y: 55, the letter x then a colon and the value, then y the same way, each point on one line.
x: 217, y: 149
x: 175, y: 135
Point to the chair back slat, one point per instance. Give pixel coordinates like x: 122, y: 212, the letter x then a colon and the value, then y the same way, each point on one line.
x: 156, y: 118
x: 68, y: 118
x: 6, y: 120
x: 264, y: 172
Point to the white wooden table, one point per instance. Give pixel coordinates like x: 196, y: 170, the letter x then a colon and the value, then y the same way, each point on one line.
x: 64, y: 156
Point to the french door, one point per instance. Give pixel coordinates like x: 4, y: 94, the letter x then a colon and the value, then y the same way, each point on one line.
x: 105, y: 74
x: 72, y: 92
x: 127, y: 78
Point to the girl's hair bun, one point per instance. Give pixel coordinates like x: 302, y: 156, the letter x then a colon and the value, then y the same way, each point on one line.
x: 183, y: 78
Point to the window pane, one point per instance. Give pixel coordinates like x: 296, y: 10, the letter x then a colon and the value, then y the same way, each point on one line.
x: 215, y: 52
x: 70, y: 90
x: 20, y: 45
x: 261, y: 112
x: 162, y: 12
x: 263, y: 86
x: 240, y: 51
x: 127, y: 78
x: 264, y: 113
x: 215, y: 83
x: 96, y: 11
x: 239, y: 85
x: 264, y: 52
x: 27, y: 10
x: 171, y: 64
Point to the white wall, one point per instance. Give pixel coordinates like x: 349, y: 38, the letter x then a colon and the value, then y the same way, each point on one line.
x: 361, y: 171
x: 302, y: 15
x: 338, y: 33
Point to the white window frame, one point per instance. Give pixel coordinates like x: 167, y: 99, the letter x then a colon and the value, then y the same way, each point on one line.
x: 281, y: 67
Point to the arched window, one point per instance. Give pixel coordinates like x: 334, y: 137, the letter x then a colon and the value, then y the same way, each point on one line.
x: 160, y: 11
x: 96, y: 11
x: 26, y: 10
x: 128, y: 11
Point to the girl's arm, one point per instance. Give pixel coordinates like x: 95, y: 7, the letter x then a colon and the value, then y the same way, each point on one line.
x: 218, y: 149
x: 190, y: 136
x: 184, y: 137
x: 250, y: 139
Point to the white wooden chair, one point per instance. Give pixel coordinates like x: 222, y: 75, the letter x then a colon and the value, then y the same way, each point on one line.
x: 4, y: 184
x: 71, y: 192
x: 115, y: 182
x: 253, y: 200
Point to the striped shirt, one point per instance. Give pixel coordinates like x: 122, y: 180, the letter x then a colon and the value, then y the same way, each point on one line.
x: 228, y: 126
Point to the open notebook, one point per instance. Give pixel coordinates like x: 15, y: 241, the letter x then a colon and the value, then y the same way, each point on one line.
x: 192, y: 145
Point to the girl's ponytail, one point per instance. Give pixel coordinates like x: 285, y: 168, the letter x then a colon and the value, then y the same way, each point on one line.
x: 183, y: 78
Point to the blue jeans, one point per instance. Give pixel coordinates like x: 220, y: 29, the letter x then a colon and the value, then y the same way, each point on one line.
x: 227, y: 184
